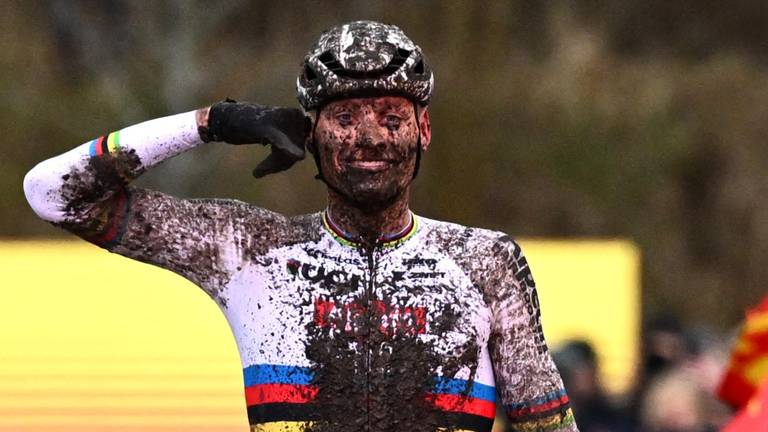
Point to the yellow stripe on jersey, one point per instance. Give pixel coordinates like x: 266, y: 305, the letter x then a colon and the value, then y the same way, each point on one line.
x: 281, y: 426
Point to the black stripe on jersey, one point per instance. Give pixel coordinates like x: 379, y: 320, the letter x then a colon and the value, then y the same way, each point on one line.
x: 560, y: 409
x: 103, y: 142
x: 471, y: 422
x: 270, y: 412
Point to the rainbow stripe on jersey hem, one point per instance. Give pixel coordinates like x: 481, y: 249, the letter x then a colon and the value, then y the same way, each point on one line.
x: 387, y: 241
x: 282, y: 396
x: 546, y: 413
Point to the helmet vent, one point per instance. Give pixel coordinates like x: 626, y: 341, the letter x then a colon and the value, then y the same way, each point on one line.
x: 401, y: 55
x: 329, y: 60
x: 419, y: 68
x: 309, y: 74
x: 398, y: 60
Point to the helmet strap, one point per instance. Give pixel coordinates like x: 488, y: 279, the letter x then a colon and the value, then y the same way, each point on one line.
x: 418, y: 142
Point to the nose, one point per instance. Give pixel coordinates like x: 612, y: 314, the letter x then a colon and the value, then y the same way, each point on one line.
x: 370, y: 134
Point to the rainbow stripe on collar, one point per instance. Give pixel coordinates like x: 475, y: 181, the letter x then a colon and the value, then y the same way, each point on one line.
x: 386, y: 241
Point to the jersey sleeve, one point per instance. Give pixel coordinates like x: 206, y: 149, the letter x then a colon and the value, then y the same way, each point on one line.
x: 527, y: 379
x: 203, y: 240
x: 86, y: 191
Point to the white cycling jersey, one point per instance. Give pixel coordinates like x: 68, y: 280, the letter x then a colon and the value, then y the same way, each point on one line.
x: 420, y: 332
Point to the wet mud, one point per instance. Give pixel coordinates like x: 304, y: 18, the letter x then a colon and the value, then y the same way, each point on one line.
x: 496, y: 264
x: 376, y: 358
x: 89, y: 191
x: 374, y: 352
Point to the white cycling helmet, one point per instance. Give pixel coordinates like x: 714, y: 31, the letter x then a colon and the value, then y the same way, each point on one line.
x: 363, y: 58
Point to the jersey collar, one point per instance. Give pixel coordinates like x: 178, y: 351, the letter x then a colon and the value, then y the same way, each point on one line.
x: 386, y: 241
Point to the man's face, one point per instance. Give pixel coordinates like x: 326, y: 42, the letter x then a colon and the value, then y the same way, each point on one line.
x: 367, y: 147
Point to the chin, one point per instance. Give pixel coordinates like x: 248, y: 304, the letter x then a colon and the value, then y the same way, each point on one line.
x: 374, y: 198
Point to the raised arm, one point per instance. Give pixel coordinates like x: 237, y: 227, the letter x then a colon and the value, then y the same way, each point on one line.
x: 85, y: 191
x: 75, y: 187
x: 528, y: 382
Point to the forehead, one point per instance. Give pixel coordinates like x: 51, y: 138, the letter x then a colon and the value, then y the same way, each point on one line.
x: 376, y: 103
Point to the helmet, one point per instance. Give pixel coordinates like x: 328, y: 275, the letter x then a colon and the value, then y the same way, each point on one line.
x: 363, y: 58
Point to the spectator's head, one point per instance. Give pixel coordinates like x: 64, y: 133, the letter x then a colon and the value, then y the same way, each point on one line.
x: 665, y: 345
x: 578, y: 367
x: 674, y: 403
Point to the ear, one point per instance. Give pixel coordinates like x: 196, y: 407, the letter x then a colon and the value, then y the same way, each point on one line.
x: 425, y: 128
x: 309, y: 141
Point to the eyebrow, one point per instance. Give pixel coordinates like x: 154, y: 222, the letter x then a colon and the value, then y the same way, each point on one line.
x: 378, y: 106
x: 346, y: 106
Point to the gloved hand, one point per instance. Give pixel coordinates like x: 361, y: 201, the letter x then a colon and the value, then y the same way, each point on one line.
x: 284, y: 129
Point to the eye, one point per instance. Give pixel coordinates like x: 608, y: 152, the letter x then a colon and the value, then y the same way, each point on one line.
x: 392, y: 122
x: 344, y: 118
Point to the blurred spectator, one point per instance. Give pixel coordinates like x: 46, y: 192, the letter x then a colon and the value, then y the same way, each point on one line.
x: 673, y: 403
x: 678, y: 401
x: 676, y: 384
x: 678, y: 374
x: 578, y: 366
x: 665, y: 346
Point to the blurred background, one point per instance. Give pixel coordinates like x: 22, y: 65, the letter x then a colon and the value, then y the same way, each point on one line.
x: 638, y: 120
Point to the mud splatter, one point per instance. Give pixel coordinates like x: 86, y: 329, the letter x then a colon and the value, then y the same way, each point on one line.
x: 200, y: 239
x: 374, y: 365
x: 523, y: 367
x: 89, y: 192
x: 401, y: 319
x: 364, y: 46
x: 368, y: 203
x: 368, y: 381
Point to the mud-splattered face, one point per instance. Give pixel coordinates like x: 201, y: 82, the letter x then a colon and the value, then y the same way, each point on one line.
x: 367, y: 147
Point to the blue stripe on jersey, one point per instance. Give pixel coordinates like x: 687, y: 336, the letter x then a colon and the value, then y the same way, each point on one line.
x: 459, y: 387
x: 276, y: 374
x: 280, y: 374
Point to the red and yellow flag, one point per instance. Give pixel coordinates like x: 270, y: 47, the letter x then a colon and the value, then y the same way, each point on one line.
x: 754, y: 416
x: 748, y: 367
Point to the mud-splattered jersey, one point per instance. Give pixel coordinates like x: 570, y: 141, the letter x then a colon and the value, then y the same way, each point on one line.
x: 421, y: 333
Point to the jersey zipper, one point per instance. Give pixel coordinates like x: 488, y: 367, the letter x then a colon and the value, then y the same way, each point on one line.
x: 370, y: 289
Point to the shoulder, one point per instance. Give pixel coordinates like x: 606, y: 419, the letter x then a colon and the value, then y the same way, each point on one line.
x: 491, y: 259
x: 247, y: 222
x: 485, y: 245
x: 232, y: 208
x: 267, y: 227
x: 255, y: 217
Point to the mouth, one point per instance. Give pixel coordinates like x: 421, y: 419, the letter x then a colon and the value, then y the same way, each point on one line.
x: 369, y: 165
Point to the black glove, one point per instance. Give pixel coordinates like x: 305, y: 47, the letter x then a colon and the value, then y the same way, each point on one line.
x: 285, y: 129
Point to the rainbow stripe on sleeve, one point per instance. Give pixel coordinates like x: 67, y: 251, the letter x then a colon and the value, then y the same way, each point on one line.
x: 546, y: 413
x: 105, y: 144
x: 114, y: 222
